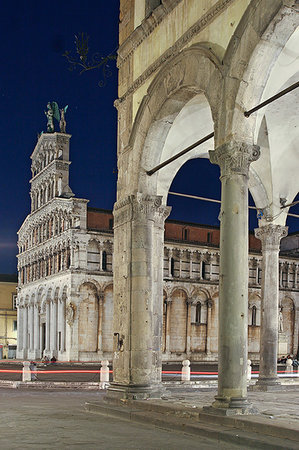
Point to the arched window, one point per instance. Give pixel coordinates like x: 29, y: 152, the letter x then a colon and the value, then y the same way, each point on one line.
x: 104, y: 260
x: 198, y: 313
x: 253, y: 316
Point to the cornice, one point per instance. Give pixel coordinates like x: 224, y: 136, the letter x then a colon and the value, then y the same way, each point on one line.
x: 172, y: 51
x: 145, y: 29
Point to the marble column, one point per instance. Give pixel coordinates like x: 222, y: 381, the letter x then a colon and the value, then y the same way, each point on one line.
x: 209, y: 326
x: 100, y: 322
x: 36, y: 332
x: 138, y: 296
x: 270, y: 236
x: 188, y: 325
x: 25, y: 331
x: 167, y: 325
x: 48, y: 321
x: 20, y: 340
x: 31, y: 327
x: 234, y: 159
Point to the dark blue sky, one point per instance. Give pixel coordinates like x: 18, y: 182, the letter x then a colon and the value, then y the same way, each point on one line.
x: 34, y: 35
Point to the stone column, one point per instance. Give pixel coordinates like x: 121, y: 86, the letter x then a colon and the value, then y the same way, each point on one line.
x: 209, y: 326
x: 53, y: 341
x: 31, y: 327
x: 188, y: 326
x: 100, y: 322
x: 234, y: 159
x: 25, y: 331
x: 138, y: 296
x: 270, y: 236
x: 47, y: 349
x: 167, y: 325
x: 36, y: 331
x: 190, y: 264
x: 20, y: 341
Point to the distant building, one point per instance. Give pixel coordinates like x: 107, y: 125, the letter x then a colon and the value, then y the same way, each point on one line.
x: 65, y: 265
x: 8, y: 316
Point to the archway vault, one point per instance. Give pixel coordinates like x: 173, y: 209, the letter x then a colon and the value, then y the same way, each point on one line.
x: 188, y: 86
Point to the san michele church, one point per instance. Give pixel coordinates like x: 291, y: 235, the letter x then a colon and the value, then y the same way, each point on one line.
x: 65, y: 269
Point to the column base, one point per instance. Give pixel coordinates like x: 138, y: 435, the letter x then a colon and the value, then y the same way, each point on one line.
x: 233, y: 406
x: 117, y: 391
x: 267, y: 384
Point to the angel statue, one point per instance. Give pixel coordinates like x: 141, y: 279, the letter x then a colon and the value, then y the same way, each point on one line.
x: 53, y: 112
x: 62, y: 123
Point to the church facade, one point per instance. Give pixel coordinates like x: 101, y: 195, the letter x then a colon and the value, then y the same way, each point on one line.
x: 65, y: 270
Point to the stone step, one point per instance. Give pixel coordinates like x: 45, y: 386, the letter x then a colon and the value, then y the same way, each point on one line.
x: 251, y: 423
x: 216, y: 432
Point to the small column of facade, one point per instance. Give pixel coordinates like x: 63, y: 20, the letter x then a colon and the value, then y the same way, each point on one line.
x: 20, y: 337
x: 36, y: 332
x: 270, y: 236
x: 209, y: 324
x: 169, y: 262
x: 167, y: 325
x: 189, y: 303
x: 137, y: 359
x: 48, y: 321
x: 100, y: 322
x: 31, y: 326
x: 234, y: 159
x: 53, y: 340
x: 191, y: 264
x: 180, y: 253
x: 25, y: 331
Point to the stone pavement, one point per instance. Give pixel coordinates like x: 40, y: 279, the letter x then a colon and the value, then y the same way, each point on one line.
x: 276, y: 426
x: 32, y: 419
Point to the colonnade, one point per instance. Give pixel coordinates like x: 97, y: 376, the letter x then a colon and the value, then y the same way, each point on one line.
x: 56, y: 260
x: 41, y: 330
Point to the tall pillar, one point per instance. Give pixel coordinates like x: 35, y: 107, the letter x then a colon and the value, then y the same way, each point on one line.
x: 234, y: 159
x: 209, y: 326
x: 138, y: 296
x: 270, y: 236
x: 20, y: 341
x: 100, y: 321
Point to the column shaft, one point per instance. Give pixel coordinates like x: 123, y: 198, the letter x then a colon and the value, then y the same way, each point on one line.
x: 234, y: 160
x: 270, y: 236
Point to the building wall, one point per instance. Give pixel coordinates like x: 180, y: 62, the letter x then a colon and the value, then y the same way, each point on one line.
x: 8, y: 317
x: 76, y: 302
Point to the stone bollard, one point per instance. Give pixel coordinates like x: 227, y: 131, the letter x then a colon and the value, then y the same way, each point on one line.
x: 186, y: 370
x: 104, y: 374
x: 26, y: 371
x: 248, y: 370
x: 289, y: 366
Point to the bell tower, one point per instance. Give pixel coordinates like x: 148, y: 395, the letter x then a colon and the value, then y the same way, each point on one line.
x: 50, y: 169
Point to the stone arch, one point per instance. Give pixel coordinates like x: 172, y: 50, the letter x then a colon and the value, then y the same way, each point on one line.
x: 88, y: 318
x: 249, y: 68
x: 194, y: 72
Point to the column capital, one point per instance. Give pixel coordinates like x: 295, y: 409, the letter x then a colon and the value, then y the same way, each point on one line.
x: 140, y: 207
x: 270, y: 235
x: 234, y: 158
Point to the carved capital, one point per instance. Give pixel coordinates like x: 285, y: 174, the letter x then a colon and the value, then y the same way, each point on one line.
x: 270, y: 236
x: 234, y: 158
x: 140, y: 207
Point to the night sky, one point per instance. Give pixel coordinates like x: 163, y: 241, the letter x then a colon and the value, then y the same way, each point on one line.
x: 34, y: 35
